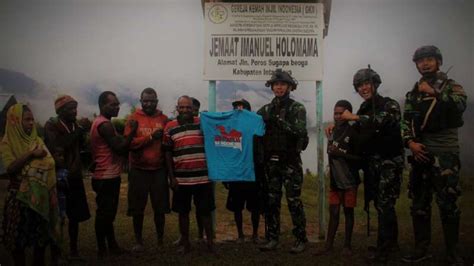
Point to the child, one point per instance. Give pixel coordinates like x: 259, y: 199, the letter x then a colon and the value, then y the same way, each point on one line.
x: 344, y: 177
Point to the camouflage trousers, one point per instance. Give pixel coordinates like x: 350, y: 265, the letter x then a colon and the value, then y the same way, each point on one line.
x: 280, y: 174
x: 383, y: 179
x: 441, y: 176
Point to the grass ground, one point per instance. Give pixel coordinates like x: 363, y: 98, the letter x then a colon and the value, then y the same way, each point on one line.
x: 230, y: 253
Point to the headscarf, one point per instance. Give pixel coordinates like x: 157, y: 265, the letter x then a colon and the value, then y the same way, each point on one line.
x: 38, y: 177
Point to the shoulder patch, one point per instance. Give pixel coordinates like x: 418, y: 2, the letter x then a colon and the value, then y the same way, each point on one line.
x: 458, y: 90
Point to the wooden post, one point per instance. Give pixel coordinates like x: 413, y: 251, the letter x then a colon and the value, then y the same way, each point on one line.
x: 320, y: 155
x: 212, y: 96
x: 212, y: 108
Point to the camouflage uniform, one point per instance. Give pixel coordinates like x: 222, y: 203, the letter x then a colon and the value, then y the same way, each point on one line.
x: 285, y: 137
x: 383, y: 151
x: 433, y: 122
x: 382, y: 148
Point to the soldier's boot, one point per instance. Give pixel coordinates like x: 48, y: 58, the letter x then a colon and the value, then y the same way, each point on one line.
x: 451, y: 238
x: 271, y: 245
x: 298, y: 247
x: 422, y: 229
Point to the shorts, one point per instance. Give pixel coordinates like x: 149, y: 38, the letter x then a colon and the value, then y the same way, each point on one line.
x: 203, y: 195
x: 142, y: 183
x: 242, y: 194
x: 77, y: 208
x: 347, y: 197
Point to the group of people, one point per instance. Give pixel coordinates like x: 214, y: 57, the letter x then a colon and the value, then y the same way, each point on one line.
x: 373, y: 140
x: 46, y: 183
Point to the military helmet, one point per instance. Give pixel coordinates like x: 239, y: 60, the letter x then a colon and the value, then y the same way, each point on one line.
x: 280, y: 75
x: 366, y: 74
x: 428, y: 51
x: 242, y: 102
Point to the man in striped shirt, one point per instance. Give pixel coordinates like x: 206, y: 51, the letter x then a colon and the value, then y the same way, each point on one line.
x: 187, y: 171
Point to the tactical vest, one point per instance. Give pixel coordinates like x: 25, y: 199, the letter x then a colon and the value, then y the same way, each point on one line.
x: 432, y: 115
x: 382, y: 139
x: 278, y: 142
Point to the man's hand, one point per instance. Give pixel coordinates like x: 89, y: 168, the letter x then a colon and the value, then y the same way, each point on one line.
x: 348, y: 116
x: 38, y: 152
x: 173, y: 183
x: 157, y: 134
x: 419, y: 152
x: 133, y: 126
x: 328, y: 130
x: 332, y: 149
x: 426, y: 88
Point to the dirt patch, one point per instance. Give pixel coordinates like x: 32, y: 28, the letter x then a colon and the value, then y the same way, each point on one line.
x: 231, y: 253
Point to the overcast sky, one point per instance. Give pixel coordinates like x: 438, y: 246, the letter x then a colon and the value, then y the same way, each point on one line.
x: 84, y: 46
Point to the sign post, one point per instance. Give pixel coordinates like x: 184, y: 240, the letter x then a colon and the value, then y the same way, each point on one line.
x: 248, y: 41
x: 320, y: 154
x: 212, y: 96
x: 212, y: 108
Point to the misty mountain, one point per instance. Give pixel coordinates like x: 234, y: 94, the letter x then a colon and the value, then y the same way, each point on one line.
x: 229, y: 91
x: 125, y: 94
x: 17, y: 82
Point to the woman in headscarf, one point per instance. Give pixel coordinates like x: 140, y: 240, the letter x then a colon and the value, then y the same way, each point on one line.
x: 31, y: 207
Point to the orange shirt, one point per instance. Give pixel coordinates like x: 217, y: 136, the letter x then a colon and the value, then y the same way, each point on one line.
x: 145, y: 152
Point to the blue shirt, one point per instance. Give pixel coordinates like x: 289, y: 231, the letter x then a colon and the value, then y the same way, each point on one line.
x: 228, y: 142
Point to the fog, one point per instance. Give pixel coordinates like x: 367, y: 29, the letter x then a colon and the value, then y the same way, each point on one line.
x: 82, y: 47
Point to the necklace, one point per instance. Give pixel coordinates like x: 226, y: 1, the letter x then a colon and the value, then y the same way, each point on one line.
x: 67, y: 128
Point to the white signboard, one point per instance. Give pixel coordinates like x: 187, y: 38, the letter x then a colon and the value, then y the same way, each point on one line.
x: 248, y: 41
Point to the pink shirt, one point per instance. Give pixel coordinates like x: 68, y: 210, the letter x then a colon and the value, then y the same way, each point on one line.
x: 107, y: 164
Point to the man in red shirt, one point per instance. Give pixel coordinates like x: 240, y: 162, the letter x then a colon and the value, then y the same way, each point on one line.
x: 147, y: 174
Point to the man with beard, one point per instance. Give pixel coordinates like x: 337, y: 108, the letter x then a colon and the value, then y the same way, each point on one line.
x: 433, y: 113
x: 378, y: 124
x: 147, y: 174
x: 108, y: 149
x: 64, y: 137
x: 285, y: 137
x: 187, y: 171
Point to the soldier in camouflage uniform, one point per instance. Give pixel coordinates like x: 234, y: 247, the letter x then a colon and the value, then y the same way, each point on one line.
x: 433, y: 113
x: 285, y: 137
x: 378, y: 123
